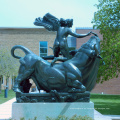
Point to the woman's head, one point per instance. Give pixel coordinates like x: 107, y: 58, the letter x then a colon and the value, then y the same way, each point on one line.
x: 69, y: 22
x: 66, y: 23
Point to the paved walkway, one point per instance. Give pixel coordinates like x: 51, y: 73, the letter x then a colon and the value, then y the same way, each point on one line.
x: 6, y: 112
x: 6, y: 109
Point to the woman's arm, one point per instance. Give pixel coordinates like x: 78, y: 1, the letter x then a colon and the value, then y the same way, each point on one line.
x: 58, y: 59
x: 78, y: 35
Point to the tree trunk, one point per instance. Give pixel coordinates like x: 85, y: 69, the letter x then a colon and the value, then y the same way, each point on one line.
x: 0, y: 85
x: 1, y: 77
x: 13, y: 79
x: 8, y: 83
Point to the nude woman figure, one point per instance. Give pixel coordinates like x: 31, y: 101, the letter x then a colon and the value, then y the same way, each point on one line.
x: 63, y: 29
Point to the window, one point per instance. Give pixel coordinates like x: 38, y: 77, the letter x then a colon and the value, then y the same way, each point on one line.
x: 43, y: 48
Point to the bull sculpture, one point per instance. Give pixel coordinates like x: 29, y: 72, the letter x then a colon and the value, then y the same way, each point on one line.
x: 75, y: 75
x: 65, y: 81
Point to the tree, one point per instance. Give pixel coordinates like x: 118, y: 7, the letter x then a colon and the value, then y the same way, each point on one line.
x: 107, y: 19
x: 8, y: 64
x: 0, y: 83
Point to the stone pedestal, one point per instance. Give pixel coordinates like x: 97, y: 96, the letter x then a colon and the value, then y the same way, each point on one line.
x: 41, y: 110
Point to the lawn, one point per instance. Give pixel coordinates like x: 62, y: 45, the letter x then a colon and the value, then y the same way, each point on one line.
x: 11, y: 95
x: 106, y: 104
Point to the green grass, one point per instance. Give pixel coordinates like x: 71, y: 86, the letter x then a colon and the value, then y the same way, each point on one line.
x: 11, y: 95
x: 106, y: 104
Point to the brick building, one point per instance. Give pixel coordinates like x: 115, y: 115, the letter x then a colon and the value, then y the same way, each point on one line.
x: 80, y: 41
x: 38, y: 40
x: 28, y: 37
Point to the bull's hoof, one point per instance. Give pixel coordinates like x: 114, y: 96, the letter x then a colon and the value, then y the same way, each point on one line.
x: 72, y: 90
x: 81, y: 90
x: 16, y: 90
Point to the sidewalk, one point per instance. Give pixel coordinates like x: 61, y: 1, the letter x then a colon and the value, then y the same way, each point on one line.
x: 99, y: 116
x: 6, y: 112
x: 6, y: 109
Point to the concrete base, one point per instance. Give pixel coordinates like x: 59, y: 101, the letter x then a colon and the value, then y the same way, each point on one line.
x: 41, y: 110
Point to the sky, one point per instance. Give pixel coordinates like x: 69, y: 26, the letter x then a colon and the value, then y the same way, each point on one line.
x: 22, y: 13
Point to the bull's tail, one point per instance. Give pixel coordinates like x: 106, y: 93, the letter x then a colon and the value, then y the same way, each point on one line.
x: 24, y: 49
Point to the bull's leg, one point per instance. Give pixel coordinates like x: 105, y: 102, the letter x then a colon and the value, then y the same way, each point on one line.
x: 77, y: 86
x: 16, y: 87
x: 74, y: 83
x: 23, y: 76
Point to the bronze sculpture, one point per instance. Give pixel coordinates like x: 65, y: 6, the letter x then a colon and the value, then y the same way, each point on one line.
x: 64, y: 82
x: 62, y: 27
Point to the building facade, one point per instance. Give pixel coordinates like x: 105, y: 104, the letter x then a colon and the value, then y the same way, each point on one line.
x: 39, y: 41
x: 35, y: 39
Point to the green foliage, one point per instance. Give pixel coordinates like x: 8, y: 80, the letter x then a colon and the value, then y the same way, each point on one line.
x: 22, y: 118
x: 8, y: 64
x: 107, y: 16
x: 75, y: 117
x: 35, y: 118
x: 107, y: 19
x: 62, y: 117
